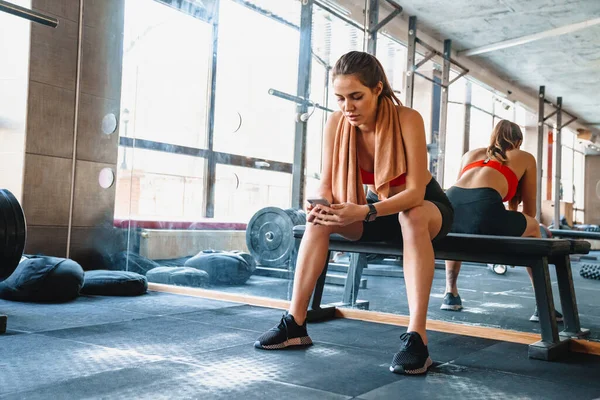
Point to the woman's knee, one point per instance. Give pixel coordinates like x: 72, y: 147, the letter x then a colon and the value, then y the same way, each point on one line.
x: 415, y: 220
x: 533, y: 228
x: 313, y: 230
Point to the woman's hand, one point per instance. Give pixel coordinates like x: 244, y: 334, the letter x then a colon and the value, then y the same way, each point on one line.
x: 338, y: 214
x: 308, y: 207
x: 309, y: 215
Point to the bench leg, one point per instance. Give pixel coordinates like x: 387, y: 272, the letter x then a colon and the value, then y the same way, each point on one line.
x: 3, y: 319
x: 572, y: 327
x: 551, y: 346
x: 358, y: 262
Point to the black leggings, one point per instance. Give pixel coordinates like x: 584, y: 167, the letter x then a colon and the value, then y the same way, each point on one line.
x: 480, y: 211
x: 387, y: 227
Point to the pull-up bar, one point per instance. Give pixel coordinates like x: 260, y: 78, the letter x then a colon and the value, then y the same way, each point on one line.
x: 30, y: 15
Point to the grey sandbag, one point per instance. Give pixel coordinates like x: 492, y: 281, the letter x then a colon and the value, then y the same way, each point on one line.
x: 180, y: 276
x: 132, y: 262
x: 114, y: 283
x: 43, y: 279
x: 224, y: 268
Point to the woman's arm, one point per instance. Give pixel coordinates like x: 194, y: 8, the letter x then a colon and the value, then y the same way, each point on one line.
x: 528, y: 186
x: 417, y: 177
x: 325, y: 190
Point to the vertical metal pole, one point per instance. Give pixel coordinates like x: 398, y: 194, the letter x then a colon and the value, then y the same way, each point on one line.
x: 409, y: 85
x: 303, y: 90
x: 557, y: 164
x: 540, y: 153
x: 434, y: 139
x: 211, y: 164
x: 444, y: 111
x: 372, y: 20
x: 467, y: 134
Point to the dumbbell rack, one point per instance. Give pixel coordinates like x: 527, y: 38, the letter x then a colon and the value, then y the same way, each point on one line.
x: 39, y: 18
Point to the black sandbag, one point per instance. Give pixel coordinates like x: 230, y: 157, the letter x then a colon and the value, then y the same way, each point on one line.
x: 224, y: 268
x: 43, y: 279
x: 180, y: 276
x: 114, y: 283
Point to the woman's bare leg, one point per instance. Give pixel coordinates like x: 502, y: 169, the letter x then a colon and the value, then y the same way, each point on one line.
x: 419, y: 225
x: 311, y: 260
x: 452, y: 271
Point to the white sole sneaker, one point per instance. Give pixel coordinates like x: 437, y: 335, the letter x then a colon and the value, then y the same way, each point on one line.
x: 299, y: 341
x: 398, y: 369
x: 451, y: 307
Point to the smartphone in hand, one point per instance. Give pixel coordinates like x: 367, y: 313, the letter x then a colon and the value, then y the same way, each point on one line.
x: 314, y: 201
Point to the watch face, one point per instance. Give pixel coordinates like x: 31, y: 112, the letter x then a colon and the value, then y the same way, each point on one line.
x: 372, y: 217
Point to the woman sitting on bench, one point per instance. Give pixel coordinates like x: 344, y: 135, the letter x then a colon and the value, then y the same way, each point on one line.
x: 375, y: 141
x: 490, y: 176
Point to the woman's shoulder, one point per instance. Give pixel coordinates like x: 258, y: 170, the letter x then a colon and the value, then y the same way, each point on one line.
x: 408, y: 115
x: 475, y: 154
x: 336, y: 116
x: 334, y: 119
x: 521, y: 156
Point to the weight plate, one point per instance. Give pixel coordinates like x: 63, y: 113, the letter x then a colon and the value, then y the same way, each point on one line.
x: 21, y: 226
x: 9, y: 244
x: 269, y: 236
x: 4, y: 235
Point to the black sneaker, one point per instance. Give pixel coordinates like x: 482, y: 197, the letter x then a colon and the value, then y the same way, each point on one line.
x: 287, y: 333
x: 451, y: 302
x: 536, y: 316
x: 413, y: 356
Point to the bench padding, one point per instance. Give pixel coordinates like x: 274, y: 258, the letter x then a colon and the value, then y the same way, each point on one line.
x: 465, y: 247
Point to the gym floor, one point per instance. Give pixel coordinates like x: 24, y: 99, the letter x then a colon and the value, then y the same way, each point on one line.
x: 500, y: 301
x: 164, y: 345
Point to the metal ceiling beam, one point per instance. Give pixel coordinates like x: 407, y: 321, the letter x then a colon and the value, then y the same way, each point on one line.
x: 530, y: 38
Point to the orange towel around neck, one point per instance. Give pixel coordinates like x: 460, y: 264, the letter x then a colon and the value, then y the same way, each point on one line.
x: 390, y: 159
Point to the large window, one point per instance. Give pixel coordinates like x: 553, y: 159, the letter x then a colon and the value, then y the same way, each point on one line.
x: 572, y: 173
x: 166, y: 65
x: 255, y: 53
x: 159, y: 185
x: 167, y: 104
x: 240, y: 192
x: 480, y: 128
x: 455, y: 130
x: 14, y: 77
x: 393, y: 58
x: 164, y: 100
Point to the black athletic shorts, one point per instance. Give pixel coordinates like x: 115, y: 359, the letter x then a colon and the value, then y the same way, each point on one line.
x: 387, y: 227
x: 480, y: 211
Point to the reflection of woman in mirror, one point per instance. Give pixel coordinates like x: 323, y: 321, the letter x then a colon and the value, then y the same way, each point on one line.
x: 372, y: 140
x: 502, y: 172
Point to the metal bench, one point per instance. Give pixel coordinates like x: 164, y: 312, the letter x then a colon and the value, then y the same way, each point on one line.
x: 532, y: 252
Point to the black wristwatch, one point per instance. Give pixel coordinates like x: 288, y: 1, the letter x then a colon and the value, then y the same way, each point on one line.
x: 372, y: 214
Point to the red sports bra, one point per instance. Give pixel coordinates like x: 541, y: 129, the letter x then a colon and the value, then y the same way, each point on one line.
x: 368, y: 178
x: 511, y: 177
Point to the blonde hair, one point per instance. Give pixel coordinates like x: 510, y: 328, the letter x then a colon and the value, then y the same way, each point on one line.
x: 505, y: 136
